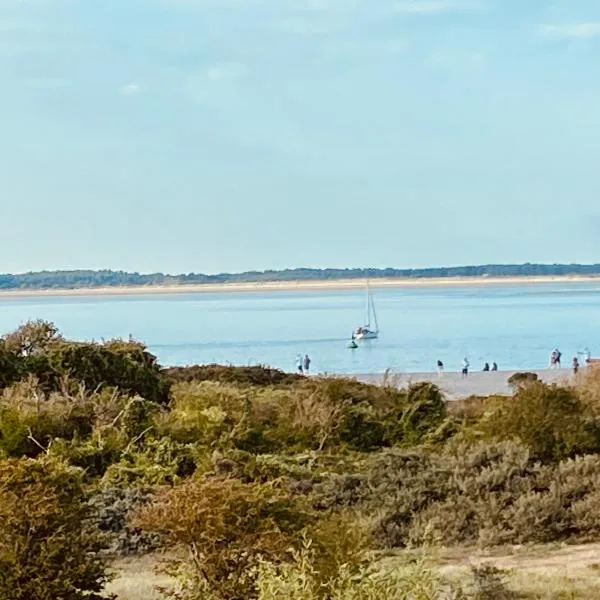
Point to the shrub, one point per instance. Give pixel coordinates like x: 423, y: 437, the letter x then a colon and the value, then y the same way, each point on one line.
x: 127, y: 366
x: 37, y: 349
x: 95, y: 454
x: 226, y: 526
x: 30, y: 420
x: 299, y: 581
x: 31, y: 338
x: 489, y: 584
x: 48, y: 546
x: 522, y: 379
x: 253, y: 375
x: 551, y: 421
x: 89, y: 430
x: 113, y: 509
x: 486, y: 494
x: 421, y: 416
x: 159, y: 462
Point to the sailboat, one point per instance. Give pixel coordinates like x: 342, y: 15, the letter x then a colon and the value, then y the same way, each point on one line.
x: 368, y: 332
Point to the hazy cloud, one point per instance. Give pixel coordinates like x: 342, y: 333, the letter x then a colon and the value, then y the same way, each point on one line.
x: 571, y: 31
x: 130, y: 89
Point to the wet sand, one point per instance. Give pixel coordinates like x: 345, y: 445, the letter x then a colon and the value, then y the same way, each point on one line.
x: 477, y: 383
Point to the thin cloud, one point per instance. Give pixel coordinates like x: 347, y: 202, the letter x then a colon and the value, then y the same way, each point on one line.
x: 572, y: 31
x: 130, y: 89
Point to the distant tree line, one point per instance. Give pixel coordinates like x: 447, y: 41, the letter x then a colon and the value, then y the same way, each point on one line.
x: 108, y: 278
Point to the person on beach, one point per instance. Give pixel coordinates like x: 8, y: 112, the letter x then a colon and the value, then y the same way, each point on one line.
x: 494, y: 366
x: 486, y: 367
x: 465, y: 367
x: 555, y: 359
x: 440, y: 367
x: 299, y: 363
x: 575, y: 365
x: 587, y: 355
x: 306, y: 364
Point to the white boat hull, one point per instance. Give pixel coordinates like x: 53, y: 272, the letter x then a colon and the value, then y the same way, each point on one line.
x: 366, y: 335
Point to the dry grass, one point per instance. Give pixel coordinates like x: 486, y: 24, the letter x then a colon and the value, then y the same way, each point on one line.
x: 137, y: 579
x: 552, y: 572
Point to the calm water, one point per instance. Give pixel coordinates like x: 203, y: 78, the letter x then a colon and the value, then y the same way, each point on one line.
x: 516, y: 326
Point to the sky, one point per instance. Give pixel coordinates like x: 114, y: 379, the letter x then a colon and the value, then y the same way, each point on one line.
x: 229, y: 135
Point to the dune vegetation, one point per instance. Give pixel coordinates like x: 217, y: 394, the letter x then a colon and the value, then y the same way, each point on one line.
x: 250, y: 483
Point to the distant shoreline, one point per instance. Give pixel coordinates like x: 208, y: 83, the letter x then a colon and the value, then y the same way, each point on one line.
x: 301, y: 285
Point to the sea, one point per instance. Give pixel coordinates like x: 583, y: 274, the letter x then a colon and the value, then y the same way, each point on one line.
x: 514, y: 325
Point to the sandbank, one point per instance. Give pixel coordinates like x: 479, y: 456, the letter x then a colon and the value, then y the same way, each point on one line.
x: 477, y: 383
x: 288, y: 286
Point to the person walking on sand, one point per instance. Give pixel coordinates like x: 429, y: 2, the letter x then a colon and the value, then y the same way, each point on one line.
x: 553, y: 360
x: 465, y: 367
x: 486, y: 367
x: 299, y: 363
x: 440, y: 367
x: 306, y: 364
x: 494, y: 366
x: 575, y: 365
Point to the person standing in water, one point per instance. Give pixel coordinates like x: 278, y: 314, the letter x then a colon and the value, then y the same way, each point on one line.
x: 465, y: 367
x: 494, y: 366
x: 440, y: 367
x: 299, y: 363
x: 306, y: 364
x: 486, y: 367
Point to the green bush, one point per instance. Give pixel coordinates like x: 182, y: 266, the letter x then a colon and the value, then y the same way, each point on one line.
x: 482, y: 495
x: 227, y: 527
x: 30, y: 420
x: 37, y: 350
x: 245, y: 376
x: 116, y: 364
x: 300, y: 581
x: 49, y: 547
x: 88, y: 429
x: 158, y: 462
x: 95, y: 455
x: 551, y: 421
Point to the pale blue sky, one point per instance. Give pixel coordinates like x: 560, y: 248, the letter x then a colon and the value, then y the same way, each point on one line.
x: 225, y: 135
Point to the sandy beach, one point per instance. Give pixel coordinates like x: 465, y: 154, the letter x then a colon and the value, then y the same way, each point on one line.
x: 477, y: 383
x: 286, y: 286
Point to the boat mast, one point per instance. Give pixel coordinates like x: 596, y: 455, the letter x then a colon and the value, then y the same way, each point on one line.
x: 368, y: 323
x: 372, y: 302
